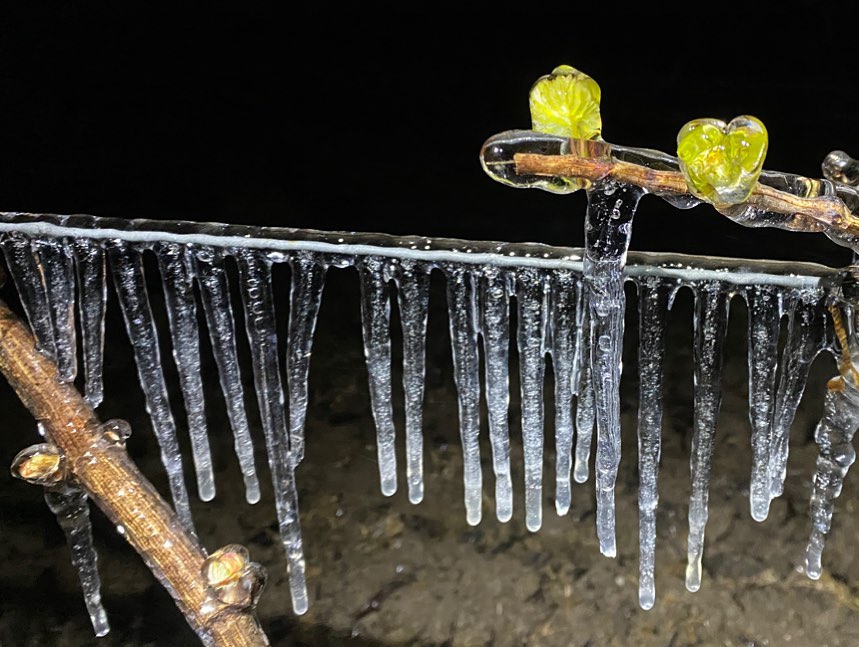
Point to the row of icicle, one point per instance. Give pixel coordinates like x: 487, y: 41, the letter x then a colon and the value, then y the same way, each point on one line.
x: 555, y: 309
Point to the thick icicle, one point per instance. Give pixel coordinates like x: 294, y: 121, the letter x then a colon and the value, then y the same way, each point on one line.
x: 215, y: 296
x: 585, y: 407
x: 608, y: 229
x: 653, y: 300
x: 260, y: 322
x: 495, y: 329
x: 25, y: 270
x: 531, y: 300
x: 376, y: 318
x: 413, y: 282
x: 128, y: 277
x: 177, y: 277
x: 806, y: 337
x: 308, y: 279
x: 711, y: 323
x: 92, y: 296
x: 71, y: 508
x: 764, y: 306
x: 834, y: 436
x: 565, y: 298
x: 462, y: 312
x: 55, y: 261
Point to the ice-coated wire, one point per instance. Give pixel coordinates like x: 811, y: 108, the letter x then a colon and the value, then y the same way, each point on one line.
x: 92, y: 299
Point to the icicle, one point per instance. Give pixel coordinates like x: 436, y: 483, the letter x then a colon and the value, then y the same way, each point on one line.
x: 653, y: 299
x: 565, y: 298
x: 255, y: 280
x: 806, y: 337
x: 376, y: 317
x: 308, y: 279
x: 70, y: 506
x: 92, y: 296
x: 134, y: 301
x: 711, y: 323
x: 55, y: 261
x: 531, y: 297
x: 413, y: 282
x: 608, y: 229
x: 834, y: 437
x: 764, y: 306
x: 215, y: 296
x: 495, y: 328
x: 177, y: 278
x: 585, y: 406
x: 28, y: 277
x: 462, y: 312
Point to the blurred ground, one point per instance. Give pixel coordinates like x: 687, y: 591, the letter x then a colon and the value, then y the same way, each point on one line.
x: 384, y: 572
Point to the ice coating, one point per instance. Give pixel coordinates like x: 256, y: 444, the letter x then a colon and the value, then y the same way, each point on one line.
x: 305, y: 297
x: 55, y: 262
x: 462, y: 311
x: 563, y: 307
x: 653, y: 298
x: 531, y: 299
x: 376, y: 320
x: 92, y: 298
x: 413, y: 283
x: 608, y: 228
x: 70, y: 505
x: 711, y: 323
x: 834, y: 437
x: 806, y: 337
x: 127, y: 267
x: 177, y: 277
x: 765, y: 310
x: 218, y: 307
x: 255, y: 282
x: 495, y: 329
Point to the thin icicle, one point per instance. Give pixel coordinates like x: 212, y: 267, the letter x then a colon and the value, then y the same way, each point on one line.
x: 92, y: 296
x: 28, y: 277
x: 55, y: 261
x: 834, y: 437
x: 376, y: 318
x: 565, y: 303
x: 177, y: 278
x: 462, y: 312
x: 806, y: 337
x: 765, y: 309
x: 215, y: 296
x: 608, y: 229
x: 531, y: 300
x: 653, y: 299
x: 255, y: 275
x: 413, y: 282
x: 585, y: 406
x: 308, y: 280
x: 128, y: 277
x: 71, y: 508
x: 711, y: 323
x: 495, y: 328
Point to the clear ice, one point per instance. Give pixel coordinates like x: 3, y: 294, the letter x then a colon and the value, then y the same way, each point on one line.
x: 570, y: 307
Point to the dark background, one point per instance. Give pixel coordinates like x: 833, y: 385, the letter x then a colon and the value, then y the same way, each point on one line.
x: 373, y: 120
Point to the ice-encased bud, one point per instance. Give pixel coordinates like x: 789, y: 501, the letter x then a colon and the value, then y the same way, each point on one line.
x: 42, y: 464
x: 566, y: 103
x: 722, y: 162
x: 116, y: 432
x: 497, y: 157
x: 235, y: 579
x: 838, y: 166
